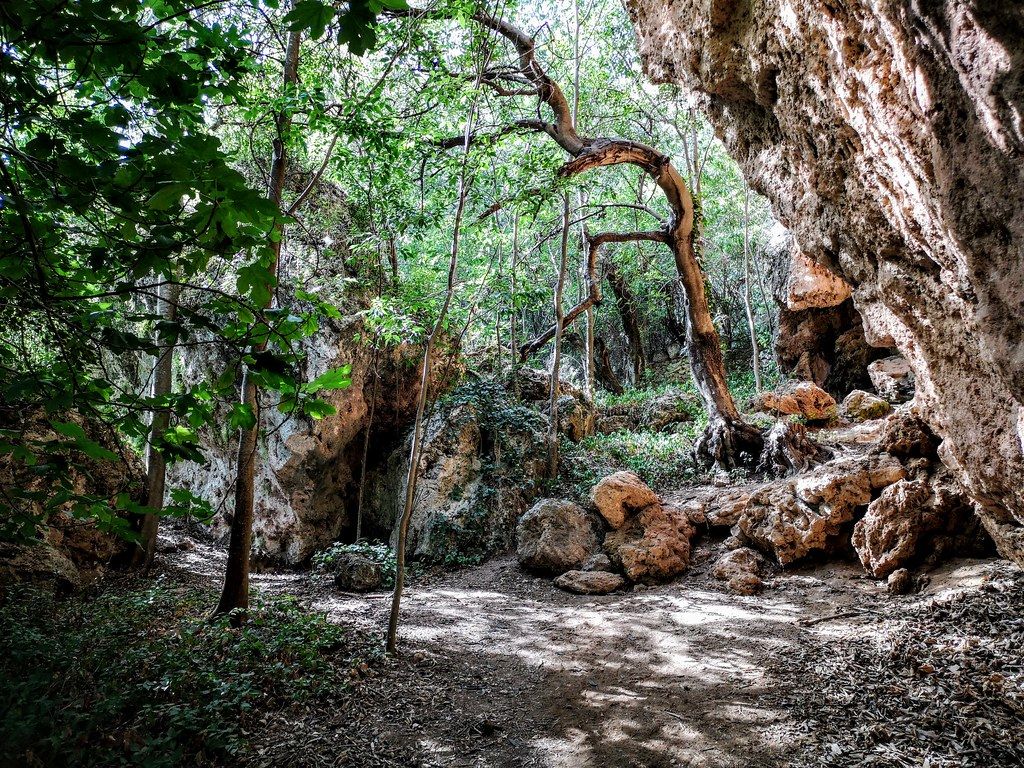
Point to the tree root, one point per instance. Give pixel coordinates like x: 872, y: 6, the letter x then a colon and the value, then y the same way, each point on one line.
x: 788, y: 450
x: 728, y: 444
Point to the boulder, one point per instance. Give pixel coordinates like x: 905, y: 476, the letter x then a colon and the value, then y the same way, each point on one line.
x: 892, y: 378
x: 620, y: 495
x: 668, y: 410
x: 916, y: 521
x: 556, y: 536
x: 800, y: 399
x: 805, y: 514
x: 653, y: 545
x: 590, y: 582
x: 357, y: 573
x: 38, y: 563
x: 859, y: 405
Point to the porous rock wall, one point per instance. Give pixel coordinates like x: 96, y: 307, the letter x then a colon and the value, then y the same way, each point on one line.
x: 888, y: 136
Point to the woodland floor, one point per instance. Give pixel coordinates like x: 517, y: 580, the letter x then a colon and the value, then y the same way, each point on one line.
x: 502, y: 669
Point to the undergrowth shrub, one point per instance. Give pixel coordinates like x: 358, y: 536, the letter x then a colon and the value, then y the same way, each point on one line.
x: 142, y: 678
x: 379, y: 552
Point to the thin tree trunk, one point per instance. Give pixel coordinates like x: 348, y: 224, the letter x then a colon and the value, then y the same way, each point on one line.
x: 755, y: 350
x: 512, y: 334
x: 626, y: 303
x: 156, y: 464
x: 556, y: 362
x: 235, y: 593
x: 415, y: 452
x: 366, y: 439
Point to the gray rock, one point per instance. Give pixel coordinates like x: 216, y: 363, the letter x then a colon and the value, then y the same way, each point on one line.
x: 556, y: 536
x: 356, y: 573
x: 590, y: 582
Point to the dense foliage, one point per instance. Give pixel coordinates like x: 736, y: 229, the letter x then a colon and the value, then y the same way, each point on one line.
x: 141, y: 677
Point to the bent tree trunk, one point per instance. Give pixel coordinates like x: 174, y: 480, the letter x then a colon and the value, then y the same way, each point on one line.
x: 728, y: 440
x: 235, y: 592
x: 156, y: 464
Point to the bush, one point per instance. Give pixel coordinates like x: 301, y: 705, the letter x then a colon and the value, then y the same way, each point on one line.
x: 142, y: 678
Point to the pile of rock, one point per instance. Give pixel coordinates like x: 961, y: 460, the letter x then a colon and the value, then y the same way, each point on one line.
x: 895, y: 505
x: 630, y: 531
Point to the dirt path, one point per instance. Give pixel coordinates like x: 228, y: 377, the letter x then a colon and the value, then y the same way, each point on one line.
x: 503, y: 670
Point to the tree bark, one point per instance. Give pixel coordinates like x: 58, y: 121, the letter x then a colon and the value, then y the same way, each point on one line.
x: 156, y: 464
x: 605, y: 372
x: 235, y: 593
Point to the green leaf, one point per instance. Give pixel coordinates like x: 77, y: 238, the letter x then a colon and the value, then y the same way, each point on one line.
x: 242, y: 416
x: 311, y: 15
x: 336, y: 378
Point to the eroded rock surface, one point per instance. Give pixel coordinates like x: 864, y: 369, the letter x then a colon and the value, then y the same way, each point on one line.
x: 803, y: 398
x: 590, y: 582
x: 888, y: 138
x: 556, y: 536
x: 619, y: 495
x: 653, y: 545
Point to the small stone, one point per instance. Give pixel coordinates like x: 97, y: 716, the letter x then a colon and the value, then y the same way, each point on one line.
x: 590, y: 582
x: 737, y: 562
x: 900, y: 582
x: 745, y: 584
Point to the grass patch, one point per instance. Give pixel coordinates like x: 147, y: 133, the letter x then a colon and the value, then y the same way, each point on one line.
x: 139, y: 676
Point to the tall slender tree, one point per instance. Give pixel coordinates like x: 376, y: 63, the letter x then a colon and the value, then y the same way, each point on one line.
x: 235, y: 592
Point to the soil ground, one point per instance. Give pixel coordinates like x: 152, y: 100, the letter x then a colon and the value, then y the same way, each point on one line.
x: 501, y: 669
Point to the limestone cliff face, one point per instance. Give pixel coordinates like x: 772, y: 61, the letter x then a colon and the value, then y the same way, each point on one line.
x: 888, y: 135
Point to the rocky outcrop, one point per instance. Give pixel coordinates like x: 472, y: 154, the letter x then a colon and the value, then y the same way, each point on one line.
x: 72, y: 549
x: 887, y: 137
x: 820, y: 335
x: 576, y: 413
x: 663, y: 413
x: 307, y: 480
x: 811, y: 513
x: 556, y: 536
x: 482, y: 460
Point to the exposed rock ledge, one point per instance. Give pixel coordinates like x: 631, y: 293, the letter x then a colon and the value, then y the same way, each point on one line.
x: 887, y: 136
